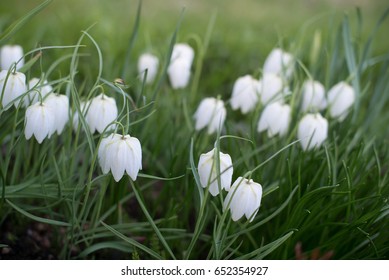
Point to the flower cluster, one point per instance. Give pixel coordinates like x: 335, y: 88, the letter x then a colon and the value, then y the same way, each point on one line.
x: 272, y: 92
x: 244, y: 196
x: 48, y: 112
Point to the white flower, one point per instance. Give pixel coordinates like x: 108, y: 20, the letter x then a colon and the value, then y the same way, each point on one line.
x: 280, y: 63
x: 60, y: 105
x: 212, y: 113
x: 275, y: 118
x: 150, y: 63
x: 180, y: 65
x: 102, y: 111
x: 340, y: 98
x: 10, y: 54
x: 313, y: 96
x: 244, y: 198
x: 245, y: 94
x: 37, y: 87
x: 184, y: 52
x: 179, y: 74
x: 208, y: 171
x: 270, y: 87
x: 40, y: 121
x: 120, y: 154
x: 312, y: 131
x: 13, y: 87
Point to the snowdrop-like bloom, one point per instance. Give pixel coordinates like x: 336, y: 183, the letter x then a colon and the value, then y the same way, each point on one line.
x: 275, y: 119
x: 280, y: 63
x: 244, y: 198
x: 40, y: 121
x: 10, y: 54
x: 150, y: 63
x: 340, y: 98
x: 270, y: 87
x: 120, y: 154
x: 102, y: 111
x: 180, y: 65
x: 37, y: 87
x: 313, y: 96
x: 182, y: 51
x: 179, y: 74
x: 13, y: 87
x: 208, y: 172
x: 245, y: 94
x: 312, y: 131
x: 212, y: 113
x: 60, y: 105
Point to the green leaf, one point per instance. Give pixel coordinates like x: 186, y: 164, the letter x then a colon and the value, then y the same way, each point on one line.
x: 14, y: 27
x: 36, y: 218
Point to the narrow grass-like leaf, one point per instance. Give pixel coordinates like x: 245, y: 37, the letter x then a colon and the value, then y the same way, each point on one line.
x: 14, y: 27
x: 132, y: 242
x: 36, y: 218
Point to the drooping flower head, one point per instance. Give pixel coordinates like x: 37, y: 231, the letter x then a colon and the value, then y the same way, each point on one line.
x: 279, y: 63
x: 245, y: 94
x: 37, y: 89
x: 39, y: 121
x: 102, y: 111
x: 312, y: 131
x: 208, y: 172
x: 120, y: 154
x: 313, y: 95
x: 150, y: 63
x: 211, y: 113
x: 10, y: 54
x: 179, y: 69
x: 340, y: 98
x: 60, y: 105
x: 244, y: 198
x: 11, y: 88
x: 271, y: 88
x: 275, y: 118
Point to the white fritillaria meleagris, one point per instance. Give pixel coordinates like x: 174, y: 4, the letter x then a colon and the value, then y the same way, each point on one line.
x: 275, y: 119
x: 245, y: 94
x: 150, y: 63
x: 10, y: 54
x: 211, y: 113
x: 12, y: 86
x: 340, y: 98
x: 208, y: 172
x: 312, y: 131
x: 101, y: 112
x: 120, y: 154
x: 244, y: 198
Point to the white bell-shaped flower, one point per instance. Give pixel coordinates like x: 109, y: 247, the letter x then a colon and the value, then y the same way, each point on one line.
x: 275, y: 118
x: 179, y: 74
x: 60, y: 105
x: 313, y: 96
x: 120, y: 154
x: 39, y: 121
x: 179, y: 69
x: 208, y: 173
x: 244, y: 198
x: 340, y: 98
x: 102, y: 111
x: 150, y: 63
x: 13, y: 87
x: 245, y: 94
x: 312, y: 131
x: 184, y: 52
x: 10, y: 54
x: 211, y: 113
x: 37, y: 88
x: 270, y: 87
x: 279, y: 63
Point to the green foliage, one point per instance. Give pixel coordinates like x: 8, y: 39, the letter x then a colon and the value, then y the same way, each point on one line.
x: 334, y: 198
